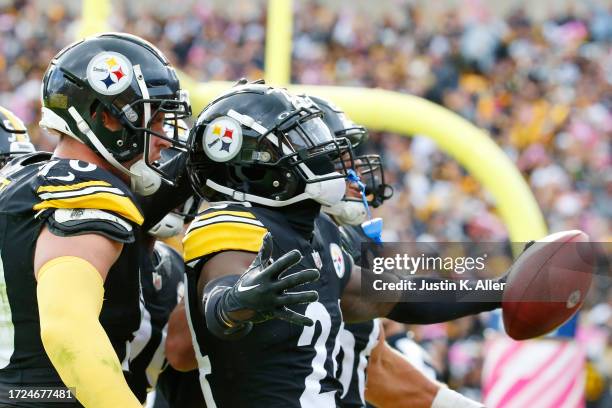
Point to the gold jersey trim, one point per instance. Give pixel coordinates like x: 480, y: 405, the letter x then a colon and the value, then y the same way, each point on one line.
x: 120, y: 205
x: 222, y: 236
x: 71, y: 187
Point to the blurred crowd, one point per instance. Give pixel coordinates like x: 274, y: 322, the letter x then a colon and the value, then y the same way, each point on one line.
x: 541, y: 89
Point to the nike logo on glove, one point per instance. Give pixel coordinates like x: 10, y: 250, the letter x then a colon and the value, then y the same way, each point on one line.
x: 245, y: 288
x: 70, y: 177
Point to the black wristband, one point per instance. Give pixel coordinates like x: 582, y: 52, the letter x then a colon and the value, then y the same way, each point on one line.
x: 217, y: 321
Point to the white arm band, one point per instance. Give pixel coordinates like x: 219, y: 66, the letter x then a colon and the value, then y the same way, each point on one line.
x: 447, y: 398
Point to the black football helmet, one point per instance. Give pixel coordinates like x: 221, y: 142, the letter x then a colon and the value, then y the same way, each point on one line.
x: 264, y: 145
x: 14, y: 138
x: 342, y: 126
x: 368, y: 166
x: 125, y: 76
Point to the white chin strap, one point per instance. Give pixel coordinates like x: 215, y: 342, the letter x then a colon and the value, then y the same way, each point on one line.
x: 328, y: 192
x: 347, y: 212
x: 169, y: 226
x: 143, y: 180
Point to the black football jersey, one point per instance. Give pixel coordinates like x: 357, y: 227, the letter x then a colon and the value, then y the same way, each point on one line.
x: 161, y: 277
x: 357, y: 339
x: 70, y: 197
x: 277, y: 364
x: 176, y: 389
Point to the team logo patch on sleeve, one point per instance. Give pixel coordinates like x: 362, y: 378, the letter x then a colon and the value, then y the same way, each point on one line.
x: 337, y: 258
x: 109, y: 73
x: 65, y: 215
x: 222, y: 139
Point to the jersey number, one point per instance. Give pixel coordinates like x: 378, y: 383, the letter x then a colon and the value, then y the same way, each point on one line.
x: 312, y: 396
x: 347, y: 342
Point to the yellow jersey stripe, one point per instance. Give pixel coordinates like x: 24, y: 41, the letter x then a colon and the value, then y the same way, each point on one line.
x: 15, y: 122
x: 101, y: 201
x: 225, y: 212
x: 45, y: 189
x: 224, y: 236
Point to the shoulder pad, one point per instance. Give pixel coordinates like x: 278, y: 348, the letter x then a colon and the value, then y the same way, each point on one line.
x: 78, y: 221
x: 23, y: 160
x: 74, y: 184
x: 231, y: 228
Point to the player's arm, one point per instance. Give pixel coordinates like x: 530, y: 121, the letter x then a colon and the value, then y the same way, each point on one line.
x: 224, y: 267
x: 234, y: 299
x: 179, y: 347
x: 70, y: 293
x: 357, y: 308
x: 393, y: 381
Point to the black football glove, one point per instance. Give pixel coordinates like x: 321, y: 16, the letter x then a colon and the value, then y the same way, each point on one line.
x: 262, y: 291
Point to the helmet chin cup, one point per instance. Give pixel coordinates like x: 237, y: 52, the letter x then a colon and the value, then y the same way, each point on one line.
x: 169, y: 226
x: 144, y: 180
x: 327, y: 192
x: 347, y: 212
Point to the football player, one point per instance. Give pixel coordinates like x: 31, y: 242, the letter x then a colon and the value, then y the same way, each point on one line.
x: 268, y: 152
x: 391, y: 379
x: 356, y: 340
x: 71, y: 224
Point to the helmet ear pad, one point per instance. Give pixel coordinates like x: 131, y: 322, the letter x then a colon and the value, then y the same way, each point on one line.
x: 119, y: 139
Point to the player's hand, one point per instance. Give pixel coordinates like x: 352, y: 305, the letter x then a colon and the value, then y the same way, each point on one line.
x: 262, y: 294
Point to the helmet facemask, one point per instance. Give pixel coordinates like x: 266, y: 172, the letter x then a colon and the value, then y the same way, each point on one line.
x: 303, y: 146
x: 145, y: 175
x: 173, y: 111
x: 368, y: 169
x: 372, y: 174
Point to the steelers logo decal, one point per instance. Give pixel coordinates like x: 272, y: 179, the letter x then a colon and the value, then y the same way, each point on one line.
x: 337, y: 259
x: 222, y: 139
x: 109, y: 73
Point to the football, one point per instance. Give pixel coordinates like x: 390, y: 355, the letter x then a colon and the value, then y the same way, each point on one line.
x: 547, y: 284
